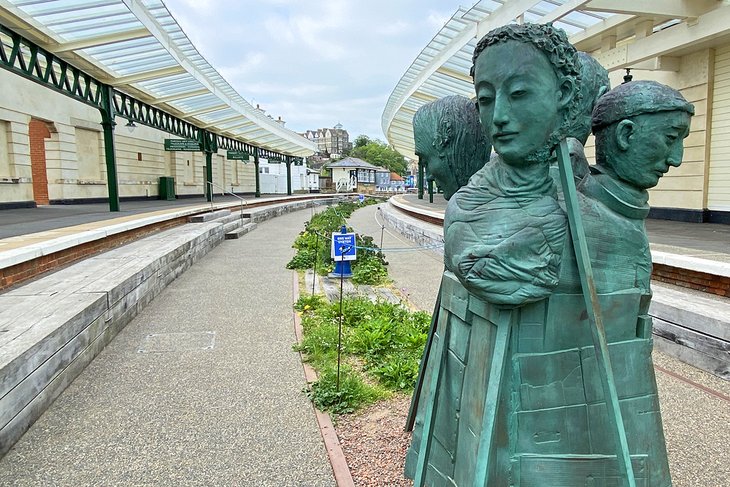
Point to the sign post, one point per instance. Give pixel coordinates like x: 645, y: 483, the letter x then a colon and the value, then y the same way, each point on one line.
x: 343, y: 251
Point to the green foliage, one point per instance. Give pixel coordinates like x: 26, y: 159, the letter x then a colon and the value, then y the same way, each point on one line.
x: 399, y: 371
x: 369, y: 268
x: 378, y: 153
x: 353, y: 391
x: 314, y: 243
x: 384, y: 339
x: 308, y: 303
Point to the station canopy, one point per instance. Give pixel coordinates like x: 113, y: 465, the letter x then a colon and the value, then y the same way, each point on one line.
x: 138, y: 47
x: 639, y: 34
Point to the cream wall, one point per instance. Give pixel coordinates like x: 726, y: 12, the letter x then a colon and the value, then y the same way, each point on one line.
x: 718, y: 188
x: 75, y: 162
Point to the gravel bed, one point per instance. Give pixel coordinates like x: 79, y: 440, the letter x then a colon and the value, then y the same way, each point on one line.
x: 375, y: 444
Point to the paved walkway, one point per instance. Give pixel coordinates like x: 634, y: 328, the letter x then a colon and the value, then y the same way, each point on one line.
x: 177, y: 413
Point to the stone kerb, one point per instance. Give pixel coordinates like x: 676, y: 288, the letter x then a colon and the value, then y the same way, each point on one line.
x: 418, y: 231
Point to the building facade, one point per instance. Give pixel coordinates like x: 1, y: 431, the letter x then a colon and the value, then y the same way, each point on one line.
x: 333, y: 141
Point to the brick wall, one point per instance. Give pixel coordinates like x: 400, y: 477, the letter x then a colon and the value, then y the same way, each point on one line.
x: 38, y: 133
x: 719, y: 285
x: 19, y: 273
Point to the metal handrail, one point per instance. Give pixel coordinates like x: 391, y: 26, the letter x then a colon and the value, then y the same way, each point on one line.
x: 213, y: 185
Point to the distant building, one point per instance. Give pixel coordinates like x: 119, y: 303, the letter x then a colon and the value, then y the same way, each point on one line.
x: 333, y: 141
x: 353, y: 174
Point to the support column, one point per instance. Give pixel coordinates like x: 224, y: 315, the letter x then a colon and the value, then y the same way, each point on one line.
x: 107, y: 123
x: 256, y: 165
x: 430, y: 191
x: 419, y: 180
x: 208, y: 150
x: 288, y: 175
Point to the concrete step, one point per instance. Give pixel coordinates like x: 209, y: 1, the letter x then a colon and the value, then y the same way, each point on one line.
x: 233, y: 222
x: 693, y: 327
x: 240, y: 231
x: 206, y: 217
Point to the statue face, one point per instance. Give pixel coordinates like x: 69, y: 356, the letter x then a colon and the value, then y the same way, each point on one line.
x: 654, y: 145
x: 435, y: 164
x: 519, y: 99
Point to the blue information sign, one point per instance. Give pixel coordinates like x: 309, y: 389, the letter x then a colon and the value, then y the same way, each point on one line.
x: 343, y: 246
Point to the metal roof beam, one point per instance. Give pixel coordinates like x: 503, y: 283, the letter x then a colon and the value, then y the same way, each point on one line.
x: 664, y: 8
x: 707, y: 27
x: 102, y: 40
x: 504, y: 14
x: 201, y: 111
x: 157, y: 73
x: 455, y: 74
x: 222, y: 121
x: 600, y: 29
x: 178, y: 96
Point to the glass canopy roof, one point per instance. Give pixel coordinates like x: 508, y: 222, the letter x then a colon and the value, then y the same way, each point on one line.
x: 600, y: 27
x: 139, y: 48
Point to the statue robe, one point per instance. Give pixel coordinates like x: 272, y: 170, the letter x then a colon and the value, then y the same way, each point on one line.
x: 553, y: 428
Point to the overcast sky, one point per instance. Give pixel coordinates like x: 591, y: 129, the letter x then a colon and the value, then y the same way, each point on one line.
x: 314, y: 62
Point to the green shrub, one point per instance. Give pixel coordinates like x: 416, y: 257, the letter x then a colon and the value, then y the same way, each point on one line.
x: 399, y: 371
x: 314, y: 243
x: 353, y: 392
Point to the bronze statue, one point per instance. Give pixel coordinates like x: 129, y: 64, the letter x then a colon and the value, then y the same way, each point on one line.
x: 450, y: 142
x: 516, y: 392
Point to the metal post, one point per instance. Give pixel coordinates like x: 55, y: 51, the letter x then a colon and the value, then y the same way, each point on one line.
x: 208, y: 150
x: 430, y: 191
x: 382, y: 228
x: 256, y: 165
x: 339, y: 329
x: 288, y: 175
x: 316, y: 252
x: 419, y: 181
x: 108, y: 123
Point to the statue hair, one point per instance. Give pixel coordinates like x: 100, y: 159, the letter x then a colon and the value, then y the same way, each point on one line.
x: 593, y: 84
x: 451, y: 125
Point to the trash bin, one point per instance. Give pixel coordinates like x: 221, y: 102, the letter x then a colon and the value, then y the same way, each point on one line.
x: 167, y: 188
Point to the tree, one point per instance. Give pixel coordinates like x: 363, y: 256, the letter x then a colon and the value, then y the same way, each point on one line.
x: 378, y: 153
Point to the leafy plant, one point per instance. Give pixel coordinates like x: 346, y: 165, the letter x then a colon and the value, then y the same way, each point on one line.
x: 310, y: 302
x: 352, y: 394
x: 399, y: 371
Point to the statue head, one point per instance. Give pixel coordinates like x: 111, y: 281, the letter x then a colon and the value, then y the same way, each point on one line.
x: 526, y: 79
x: 450, y: 142
x: 640, y: 128
x: 594, y: 83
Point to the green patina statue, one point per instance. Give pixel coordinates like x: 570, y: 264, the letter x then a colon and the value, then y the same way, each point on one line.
x: 450, y: 142
x: 516, y: 391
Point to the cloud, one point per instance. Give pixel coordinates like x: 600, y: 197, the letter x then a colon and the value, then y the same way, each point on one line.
x: 314, y: 62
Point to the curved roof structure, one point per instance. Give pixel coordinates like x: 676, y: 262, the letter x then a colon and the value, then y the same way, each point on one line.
x: 138, y: 47
x: 646, y: 34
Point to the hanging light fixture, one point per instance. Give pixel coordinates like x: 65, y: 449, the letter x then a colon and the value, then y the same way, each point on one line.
x: 131, y: 126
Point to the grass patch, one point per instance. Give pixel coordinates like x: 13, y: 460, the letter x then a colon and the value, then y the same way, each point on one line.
x: 382, y: 344
x: 313, y: 245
